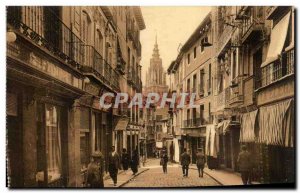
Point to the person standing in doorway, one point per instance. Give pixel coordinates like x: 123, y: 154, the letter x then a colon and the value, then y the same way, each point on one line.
x: 125, y: 160
x: 185, y: 162
x: 95, y: 171
x: 245, y: 164
x: 164, y: 161
x: 200, y: 161
x: 113, y: 164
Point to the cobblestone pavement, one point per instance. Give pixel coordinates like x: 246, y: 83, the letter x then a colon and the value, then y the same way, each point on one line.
x: 155, y: 177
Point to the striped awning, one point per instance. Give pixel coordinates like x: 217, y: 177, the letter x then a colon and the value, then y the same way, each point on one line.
x: 278, y: 37
x: 247, y: 132
x: 276, y: 124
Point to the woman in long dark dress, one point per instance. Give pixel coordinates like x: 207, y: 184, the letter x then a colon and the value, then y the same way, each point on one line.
x: 134, y: 162
x: 125, y: 160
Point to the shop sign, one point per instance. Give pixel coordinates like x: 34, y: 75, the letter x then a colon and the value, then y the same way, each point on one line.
x: 53, y: 70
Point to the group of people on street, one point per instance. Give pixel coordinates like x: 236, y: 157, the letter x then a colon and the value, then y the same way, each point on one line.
x: 244, y: 162
x: 185, y: 160
x: 95, y: 170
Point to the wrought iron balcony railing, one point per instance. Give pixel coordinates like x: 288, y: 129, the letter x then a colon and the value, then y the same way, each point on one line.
x: 44, y: 28
x: 278, y: 69
x: 195, y: 122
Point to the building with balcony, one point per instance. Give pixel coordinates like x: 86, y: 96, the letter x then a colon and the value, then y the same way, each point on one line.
x: 62, y: 61
x: 253, y: 90
x: 192, y: 73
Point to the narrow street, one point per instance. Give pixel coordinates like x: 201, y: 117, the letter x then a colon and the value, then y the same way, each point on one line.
x: 154, y: 177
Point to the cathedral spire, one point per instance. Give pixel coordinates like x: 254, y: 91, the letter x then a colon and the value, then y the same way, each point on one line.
x: 155, y: 50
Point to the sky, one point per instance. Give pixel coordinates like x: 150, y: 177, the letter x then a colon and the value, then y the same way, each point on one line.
x: 173, y: 26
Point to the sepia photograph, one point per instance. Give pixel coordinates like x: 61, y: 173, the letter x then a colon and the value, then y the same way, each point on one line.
x: 131, y: 97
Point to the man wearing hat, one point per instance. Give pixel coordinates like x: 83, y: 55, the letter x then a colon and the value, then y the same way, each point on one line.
x: 200, y: 161
x: 245, y: 165
x: 185, y: 160
x: 95, y: 171
x: 113, y: 164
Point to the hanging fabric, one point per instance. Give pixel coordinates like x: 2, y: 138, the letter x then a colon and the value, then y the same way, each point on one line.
x: 247, y: 132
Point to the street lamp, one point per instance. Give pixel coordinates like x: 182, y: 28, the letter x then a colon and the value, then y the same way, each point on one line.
x: 10, y: 36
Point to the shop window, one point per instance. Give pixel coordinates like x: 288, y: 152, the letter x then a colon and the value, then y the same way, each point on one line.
x: 53, y: 143
x: 84, y: 150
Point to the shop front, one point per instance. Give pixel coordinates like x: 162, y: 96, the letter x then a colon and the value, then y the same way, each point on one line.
x: 38, y: 114
x: 228, y: 133
x: 193, y: 139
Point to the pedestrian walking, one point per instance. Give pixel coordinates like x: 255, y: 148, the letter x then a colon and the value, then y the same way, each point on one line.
x: 125, y: 160
x: 113, y: 164
x: 134, y: 162
x: 185, y: 162
x: 200, y: 161
x: 164, y: 161
x: 95, y: 171
x: 245, y: 165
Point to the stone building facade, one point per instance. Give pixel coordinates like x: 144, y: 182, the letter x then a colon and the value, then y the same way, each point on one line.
x: 62, y: 61
x: 252, y: 71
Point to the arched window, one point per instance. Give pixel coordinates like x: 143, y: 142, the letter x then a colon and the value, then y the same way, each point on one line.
x: 85, y: 37
x: 99, y: 42
x: 86, y: 23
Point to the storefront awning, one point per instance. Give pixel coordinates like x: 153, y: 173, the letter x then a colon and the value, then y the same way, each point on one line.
x: 122, y: 124
x: 247, y: 132
x: 278, y: 37
x: 225, y: 125
x: 276, y: 124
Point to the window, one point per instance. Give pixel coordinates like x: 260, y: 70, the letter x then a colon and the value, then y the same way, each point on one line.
x: 202, y: 46
x: 99, y: 42
x: 53, y: 143
x: 209, y: 80
x: 234, y: 68
x: 188, y: 85
x: 195, y: 52
x: 188, y: 58
x: 201, y: 87
x: 194, y: 83
x: 85, y: 36
x: 202, y: 115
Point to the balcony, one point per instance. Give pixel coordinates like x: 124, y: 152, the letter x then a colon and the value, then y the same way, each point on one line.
x: 94, y: 63
x: 50, y: 33
x: 278, y: 69
x: 235, y: 92
x: 252, y: 23
x: 223, y: 39
x: 195, y: 122
x: 53, y: 35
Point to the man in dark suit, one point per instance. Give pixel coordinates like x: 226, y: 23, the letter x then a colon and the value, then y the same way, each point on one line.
x: 245, y: 165
x: 200, y: 161
x: 185, y: 162
x: 113, y: 164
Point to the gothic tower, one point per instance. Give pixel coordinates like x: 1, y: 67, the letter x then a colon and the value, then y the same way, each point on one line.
x: 156, y: 75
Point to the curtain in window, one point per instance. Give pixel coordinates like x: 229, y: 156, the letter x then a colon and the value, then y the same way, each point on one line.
x: 53, y: 142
